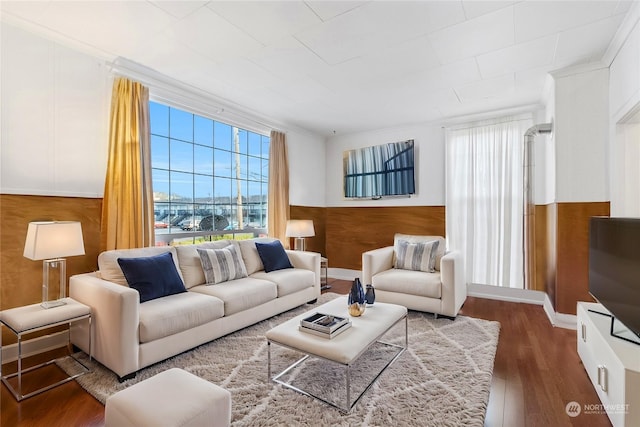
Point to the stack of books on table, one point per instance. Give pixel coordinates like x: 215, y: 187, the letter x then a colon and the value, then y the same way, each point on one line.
x: 324, y: 325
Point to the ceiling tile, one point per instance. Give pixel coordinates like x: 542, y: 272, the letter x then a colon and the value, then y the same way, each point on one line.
x: 475, y: 8
x: 178, y: 9
x: 480, y: 35
x: 267, y: 21
x: 500, y: 87
x: 377, y: 25
x: 519, y: 57
x: 535, y: 19
x: 109, y: 26
x: 287, y: 55
x: 588, y: 40
x: 330, y: 9
x: 210, y: 34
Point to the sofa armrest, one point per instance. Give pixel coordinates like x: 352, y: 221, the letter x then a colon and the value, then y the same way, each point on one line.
x: 308, y: 261
x: 115, y: 318
x: 454, y: 286
x: 376, y: 261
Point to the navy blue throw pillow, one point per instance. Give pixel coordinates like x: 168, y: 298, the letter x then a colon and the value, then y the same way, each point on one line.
x: 273, y: 256
x: 153, y: 277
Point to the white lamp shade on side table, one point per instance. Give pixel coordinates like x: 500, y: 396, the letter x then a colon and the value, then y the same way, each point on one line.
x: 300, y: 228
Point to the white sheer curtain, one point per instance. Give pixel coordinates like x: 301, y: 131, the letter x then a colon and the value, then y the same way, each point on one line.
x: 485, y: 198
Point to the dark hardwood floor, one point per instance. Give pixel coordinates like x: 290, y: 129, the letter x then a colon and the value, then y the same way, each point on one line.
x: 537, y: 372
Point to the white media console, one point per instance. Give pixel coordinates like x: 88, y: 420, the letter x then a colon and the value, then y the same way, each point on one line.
x: 613, y: 365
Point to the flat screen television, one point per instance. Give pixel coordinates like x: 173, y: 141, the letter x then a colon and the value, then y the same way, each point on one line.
x: 380, y: 170
x: 614, y: 271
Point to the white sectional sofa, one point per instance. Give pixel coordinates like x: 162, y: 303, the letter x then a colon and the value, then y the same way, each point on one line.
x: 129, y: 335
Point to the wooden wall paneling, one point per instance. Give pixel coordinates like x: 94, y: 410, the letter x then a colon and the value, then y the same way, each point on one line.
x: 544, y: 241
x: 551, y: 261
x: 21, y: 278
x: 354, y: 230
x: 572, y: 269
x: 318, y: 215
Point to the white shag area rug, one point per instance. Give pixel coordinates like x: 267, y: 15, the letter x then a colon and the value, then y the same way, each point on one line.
x: 442, y: 379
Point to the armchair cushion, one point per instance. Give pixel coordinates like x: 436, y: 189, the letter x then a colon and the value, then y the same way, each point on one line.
x: 409, y: 282
x: 418, y: 256
x: 153, y: 277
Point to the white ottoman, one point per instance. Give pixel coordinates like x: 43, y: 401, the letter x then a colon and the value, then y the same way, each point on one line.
x: 172, y: 398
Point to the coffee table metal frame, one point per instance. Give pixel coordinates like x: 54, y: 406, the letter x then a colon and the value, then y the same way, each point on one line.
x: 349, y: 405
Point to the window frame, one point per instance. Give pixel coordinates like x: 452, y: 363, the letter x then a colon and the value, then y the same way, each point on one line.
x: 240, y: 152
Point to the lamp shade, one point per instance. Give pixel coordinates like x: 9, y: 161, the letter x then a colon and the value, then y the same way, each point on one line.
x: 53, y: 239
x: 300, y: 228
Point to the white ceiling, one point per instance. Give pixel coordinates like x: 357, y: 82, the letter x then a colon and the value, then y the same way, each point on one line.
x: 344, y: 66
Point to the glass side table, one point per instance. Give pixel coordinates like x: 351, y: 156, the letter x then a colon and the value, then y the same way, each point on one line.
x: 32, y: 318
x: 324, y: 278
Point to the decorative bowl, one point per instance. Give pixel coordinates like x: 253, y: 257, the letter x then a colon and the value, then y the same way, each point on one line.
x: 356, y: 309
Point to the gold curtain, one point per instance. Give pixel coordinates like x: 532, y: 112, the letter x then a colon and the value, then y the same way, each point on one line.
x: 127, y: 206
x: 278, y: 203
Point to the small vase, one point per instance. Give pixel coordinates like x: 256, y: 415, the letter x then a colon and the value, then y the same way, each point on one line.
x: 370, y: 295
x: 356, y: 299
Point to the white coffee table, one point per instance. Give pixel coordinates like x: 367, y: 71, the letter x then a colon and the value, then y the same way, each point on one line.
x: 345, y: 348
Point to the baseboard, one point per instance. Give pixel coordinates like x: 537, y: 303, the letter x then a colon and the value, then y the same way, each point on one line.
x: 560, y: 320
x: 35, y: 346
x: 344, y: 273
x: 526, y: 296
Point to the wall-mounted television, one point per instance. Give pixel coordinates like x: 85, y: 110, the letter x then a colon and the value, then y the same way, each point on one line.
x: 614, y: 272
x: 380, y: 171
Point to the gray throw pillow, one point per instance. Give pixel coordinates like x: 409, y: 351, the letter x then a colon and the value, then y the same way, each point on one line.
x: 418, y: 256
x: 222, y: 265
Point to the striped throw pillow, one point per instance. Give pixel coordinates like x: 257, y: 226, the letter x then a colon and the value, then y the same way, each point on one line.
x: 222, y: 265
x: 418, y: 256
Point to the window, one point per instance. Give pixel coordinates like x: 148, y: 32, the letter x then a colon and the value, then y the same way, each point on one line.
x: 209, y: 178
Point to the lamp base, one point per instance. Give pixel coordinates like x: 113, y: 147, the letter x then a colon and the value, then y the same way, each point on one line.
x: 299, y: 244
x: 52, y: 304
x: 49, y: 269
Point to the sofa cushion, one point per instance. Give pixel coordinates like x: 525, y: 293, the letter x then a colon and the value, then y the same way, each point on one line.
x: 273, y: 256
x: 153, y: 276
x: 189, y: 261
x: 250, y: 255
x: 409, y: 282
x: 176, y: 313
x: 241, y: 294
x: 288, y: 280
x: 222, y: 265
x: 110, y: 269
x: 419, y: 256
x: 442, y: 245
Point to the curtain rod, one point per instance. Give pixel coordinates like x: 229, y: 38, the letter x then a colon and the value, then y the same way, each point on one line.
x: 487, y: 122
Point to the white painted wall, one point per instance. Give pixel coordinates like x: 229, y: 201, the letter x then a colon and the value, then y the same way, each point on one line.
x: 307, y: 169
x: 624, y: 99
x: 55, y: 107
x: 429, y: 166
x: 582, y: 136
x: 544, y: 172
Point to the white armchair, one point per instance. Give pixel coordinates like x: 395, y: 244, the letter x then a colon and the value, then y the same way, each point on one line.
x: 440, y: 292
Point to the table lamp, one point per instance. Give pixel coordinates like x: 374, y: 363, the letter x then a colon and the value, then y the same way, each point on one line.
x: 300, y: 228
x: 50, y: 241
